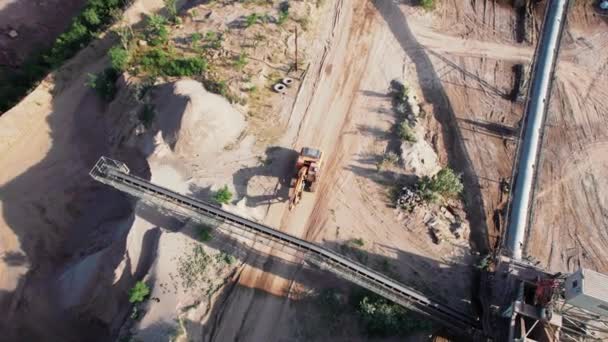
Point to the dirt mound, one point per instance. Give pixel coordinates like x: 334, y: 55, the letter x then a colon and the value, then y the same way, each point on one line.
x: 195, y: 122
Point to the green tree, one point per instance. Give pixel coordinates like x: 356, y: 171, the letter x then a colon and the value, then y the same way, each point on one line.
x: 223, y: 195
x: 383, y: 318
x: 90, y: 16
x: 104, y: 83
x: 139, y: 292
x: 445, y: 183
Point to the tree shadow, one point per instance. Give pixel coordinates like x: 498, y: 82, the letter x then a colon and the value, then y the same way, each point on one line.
x: 434, y: 93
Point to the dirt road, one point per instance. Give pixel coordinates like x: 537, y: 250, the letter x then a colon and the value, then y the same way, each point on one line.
x: 343, y: 109
x: 569, y: 226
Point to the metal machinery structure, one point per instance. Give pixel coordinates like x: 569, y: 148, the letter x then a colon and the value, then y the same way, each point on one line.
x: 308, y: 171
x: 116, y: 174
x: 530, y: 295
x: 539, y: 304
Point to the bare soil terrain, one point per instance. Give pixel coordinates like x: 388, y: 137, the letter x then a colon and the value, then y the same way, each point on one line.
x: 568, y: 229
x: 72, y: 248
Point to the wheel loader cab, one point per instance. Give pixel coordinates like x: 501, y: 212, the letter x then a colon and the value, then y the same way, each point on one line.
x: 307, y: 173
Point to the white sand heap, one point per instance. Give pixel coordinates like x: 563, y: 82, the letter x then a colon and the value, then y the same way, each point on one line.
x: 195, y: 122
x: 419, y: 158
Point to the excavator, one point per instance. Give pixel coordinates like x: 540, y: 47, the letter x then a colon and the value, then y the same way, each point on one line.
x: 308, y: 171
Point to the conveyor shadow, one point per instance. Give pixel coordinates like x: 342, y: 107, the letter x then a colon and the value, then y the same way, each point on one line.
x: 428, y: 276
x: 434, y: 93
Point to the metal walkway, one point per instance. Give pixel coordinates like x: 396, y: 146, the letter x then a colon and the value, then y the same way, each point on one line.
x: 116, y: 174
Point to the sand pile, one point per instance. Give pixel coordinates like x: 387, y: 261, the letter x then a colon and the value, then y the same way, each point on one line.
x: 195, y: 122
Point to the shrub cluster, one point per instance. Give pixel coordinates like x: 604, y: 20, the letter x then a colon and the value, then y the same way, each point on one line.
x: 159, y: 62
x: 427, y: 4
x: 104, y: 83
x: 139, y: 292
x: 96, y: 15
x: 382, y: 318
x: 223, y: 195
x: 445, y: 183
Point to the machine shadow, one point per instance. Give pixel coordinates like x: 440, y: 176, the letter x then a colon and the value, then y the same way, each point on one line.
x: 278, y: 163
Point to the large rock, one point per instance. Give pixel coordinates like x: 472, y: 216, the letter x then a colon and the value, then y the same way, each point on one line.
x: 419, y: 158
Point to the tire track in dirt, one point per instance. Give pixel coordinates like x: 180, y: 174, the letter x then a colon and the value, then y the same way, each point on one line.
x: 322, y: 94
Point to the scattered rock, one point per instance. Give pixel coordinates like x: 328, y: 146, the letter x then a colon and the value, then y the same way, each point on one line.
x: 140, y: 129
x: 142, y: 42
x: 436, y: 229
x: 247, y: 86
x: 13, y: 34
x: 408, y: 199
x: 446, y: 224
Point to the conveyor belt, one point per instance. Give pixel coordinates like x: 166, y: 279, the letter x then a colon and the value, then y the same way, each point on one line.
x: 526, y: 163
x: 116, y: 174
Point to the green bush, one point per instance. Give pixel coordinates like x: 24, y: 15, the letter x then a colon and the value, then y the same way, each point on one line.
x: 405, y: 132
x: 241, y: 61
x: 119, y: 58
x: 216, y: 87
x: 104, y: 83
x: 283, y: 12
x: 204, y: 233
x: 358, y: 242
x: 445, y: 183
x: 223, y: 195
x: 195, y: 39
x: 388, y: 159
x: 156, y: 30
x: 214, y: 40
x: 226, y: 258
x: 171, y: 9
x: 139, y: 292
x: 251, y: 19
x: 382, y: 318
x: 427, y: 4
x: 158, y: 62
